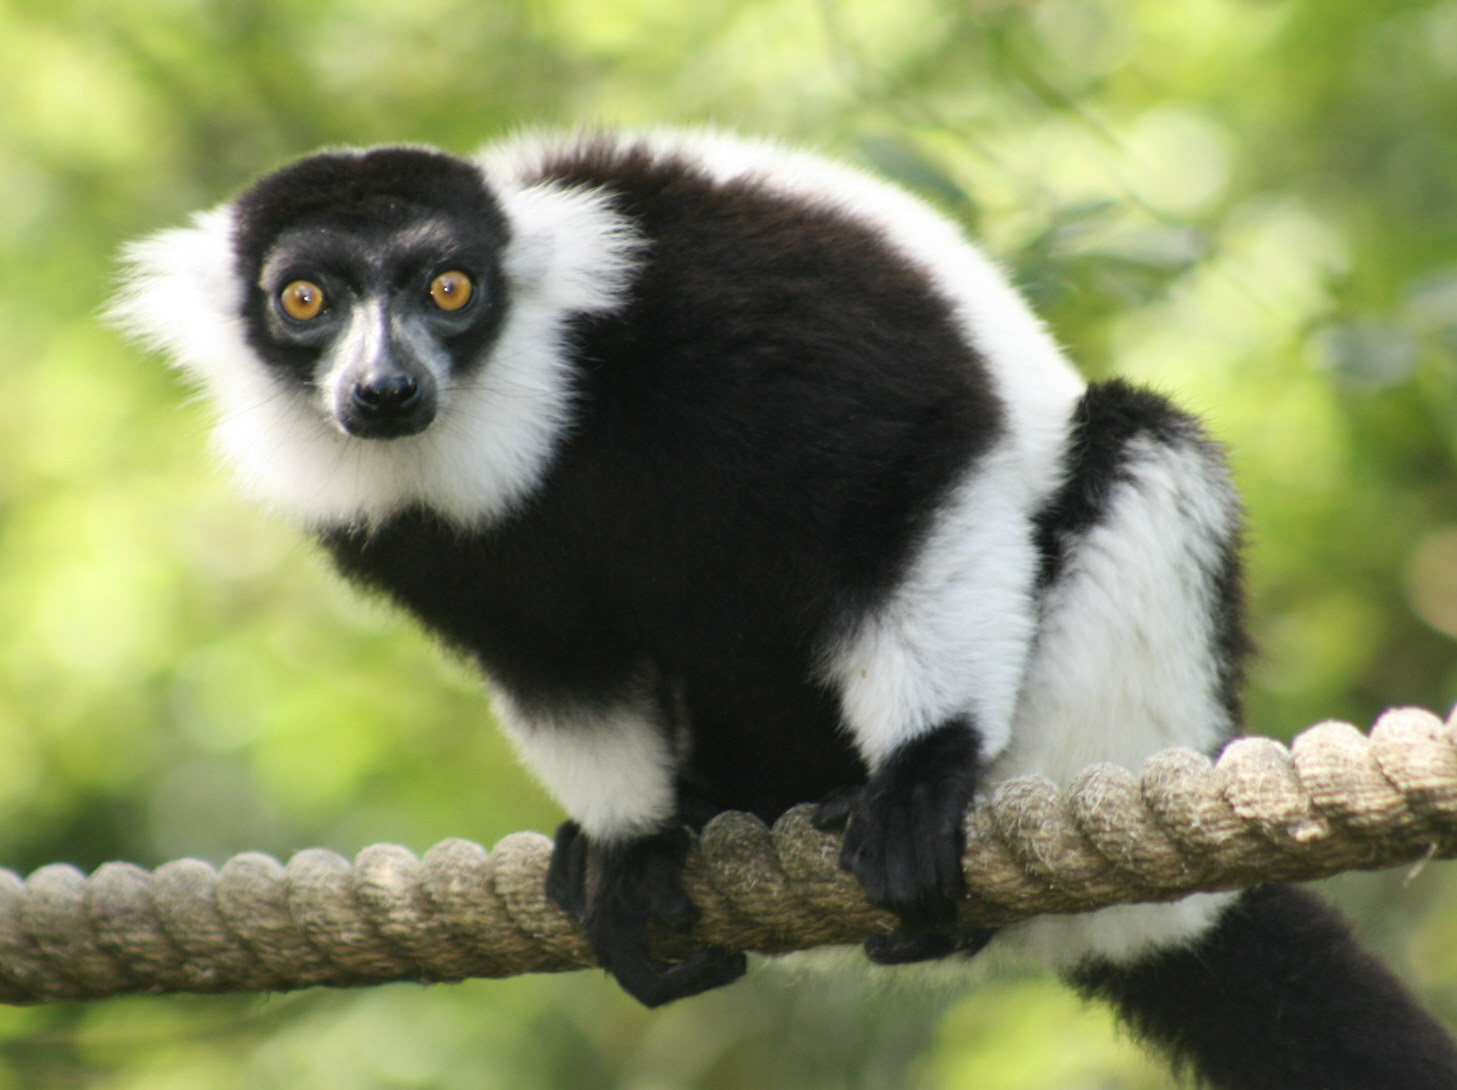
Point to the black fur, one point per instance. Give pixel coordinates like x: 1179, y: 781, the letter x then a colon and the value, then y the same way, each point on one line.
x: 365, y: 192
x: 1278, y: 996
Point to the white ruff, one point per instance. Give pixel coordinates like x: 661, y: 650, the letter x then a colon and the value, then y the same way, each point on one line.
x: 497, y: 428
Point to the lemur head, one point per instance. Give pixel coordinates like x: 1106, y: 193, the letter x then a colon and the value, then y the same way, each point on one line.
x: 372, y: 280
x: 385, y: 328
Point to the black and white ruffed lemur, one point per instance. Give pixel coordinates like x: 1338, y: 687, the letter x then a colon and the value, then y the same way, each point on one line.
x: 747, y: 481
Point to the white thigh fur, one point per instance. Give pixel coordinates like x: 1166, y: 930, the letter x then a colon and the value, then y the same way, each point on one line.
x: 610, y: 767
x: 952, y: 640
x: 1126, y: 664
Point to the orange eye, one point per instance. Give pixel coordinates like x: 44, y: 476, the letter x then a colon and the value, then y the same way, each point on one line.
x: 451, y: 290
x: 302, y: 300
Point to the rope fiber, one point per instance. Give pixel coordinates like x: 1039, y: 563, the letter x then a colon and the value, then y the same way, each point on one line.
x: 1335, y: 800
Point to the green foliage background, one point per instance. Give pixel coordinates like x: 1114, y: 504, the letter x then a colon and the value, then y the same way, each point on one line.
x: 1251, y: 204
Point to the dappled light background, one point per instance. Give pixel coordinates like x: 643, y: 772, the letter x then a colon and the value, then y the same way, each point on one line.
x: 1250, y: 204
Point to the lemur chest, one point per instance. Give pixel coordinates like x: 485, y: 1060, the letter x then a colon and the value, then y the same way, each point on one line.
x: 731, y: 680
x: 557, y: 611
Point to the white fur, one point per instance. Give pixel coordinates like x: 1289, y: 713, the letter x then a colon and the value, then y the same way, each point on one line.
x: 953, y: 638
x: 1125, y: 662
x: 610, y: 768
x: 497, y: 428
x: 1123, y: 667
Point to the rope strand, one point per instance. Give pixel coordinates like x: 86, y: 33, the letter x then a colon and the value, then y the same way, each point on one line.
x: 1335, y: 800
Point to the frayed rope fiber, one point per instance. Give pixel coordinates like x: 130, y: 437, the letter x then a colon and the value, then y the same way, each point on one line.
x: 1335, y: 800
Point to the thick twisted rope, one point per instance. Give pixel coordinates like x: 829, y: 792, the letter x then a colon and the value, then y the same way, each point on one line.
x: 1335, y: 800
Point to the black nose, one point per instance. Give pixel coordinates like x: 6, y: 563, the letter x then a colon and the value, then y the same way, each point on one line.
x: 388, y: 404
x: 385, y: 396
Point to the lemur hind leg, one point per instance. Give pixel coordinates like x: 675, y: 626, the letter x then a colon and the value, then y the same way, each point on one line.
x: 1139, y: 647
x: 1140, y: 642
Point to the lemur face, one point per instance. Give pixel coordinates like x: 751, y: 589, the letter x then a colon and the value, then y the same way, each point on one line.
x: 372, y: 283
